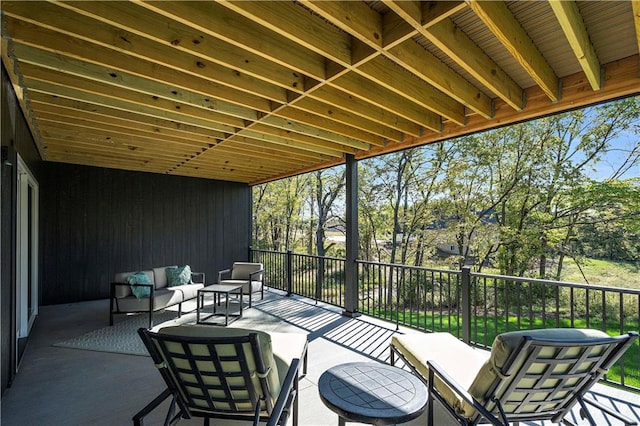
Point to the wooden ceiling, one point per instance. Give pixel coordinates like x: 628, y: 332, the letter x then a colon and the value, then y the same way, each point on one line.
x: 252, y: 91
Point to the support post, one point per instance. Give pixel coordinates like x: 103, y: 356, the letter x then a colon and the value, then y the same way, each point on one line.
x: 465, y: 308
x: 289, y: 272
x: 351, y: 267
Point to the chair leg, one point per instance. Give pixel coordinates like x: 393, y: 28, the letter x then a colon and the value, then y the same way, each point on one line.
x: 111, y: 311
x: 295, y: 401
x: 304, y: 365
x: 138, y: 419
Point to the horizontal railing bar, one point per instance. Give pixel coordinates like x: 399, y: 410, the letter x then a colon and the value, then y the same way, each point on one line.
x: 557, y: 283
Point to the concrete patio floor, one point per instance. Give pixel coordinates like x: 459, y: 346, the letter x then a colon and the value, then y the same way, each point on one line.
x: 62, y: 386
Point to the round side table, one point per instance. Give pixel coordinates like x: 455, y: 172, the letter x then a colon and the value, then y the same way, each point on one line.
x: 373, y: 393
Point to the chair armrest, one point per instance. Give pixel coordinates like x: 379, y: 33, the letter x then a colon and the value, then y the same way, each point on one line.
x: 288, y: 393
x: 221, y: 273
x: 197, y: 277
x: 255, y: 273
x: 435, y: 370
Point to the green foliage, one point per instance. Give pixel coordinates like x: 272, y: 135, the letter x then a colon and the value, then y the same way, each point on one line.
x: 522, y: 199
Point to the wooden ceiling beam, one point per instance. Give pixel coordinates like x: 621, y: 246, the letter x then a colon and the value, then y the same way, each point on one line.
x: 217, y: 21
x: 242, y: 158
x: 425, y: 65
x: 313, y: 131
x: 83, y: 38
x: 335, y: 97
x: 382, y: 71
x: 574, y: 29
x: 346, y: 116
x: 291, y: 21
x: 221, y: 172
x: 137, y: 102
x: 49, y: 129
x: 497, y: 17
x: 182, y: 38
x: 355, y: 18
x: 442, y: 32
x: 106, y: 114
x: 178, y: 37
x: 356, y: 138
x: 635, y: 4
x: 305, y: 29
x: 361, y: 87
x: 157, y: 81
x: 63, y: 143
x: 114, y: 158
x: 287, y: 138
x: 74, y: 87
x: 288, y: 155
x: 310, y: 152
x: 365, y: 24
x: 79, y: 122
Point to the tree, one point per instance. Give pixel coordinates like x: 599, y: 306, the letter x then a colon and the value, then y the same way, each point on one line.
x: 277, y: 212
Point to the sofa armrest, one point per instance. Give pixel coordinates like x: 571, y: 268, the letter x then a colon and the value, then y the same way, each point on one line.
x: 197, y: 277
x: 221, y: 273
x: 114, y: 286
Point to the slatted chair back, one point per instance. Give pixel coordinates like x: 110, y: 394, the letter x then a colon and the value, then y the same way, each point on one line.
x: 224, y: 377
x: 543, y: 378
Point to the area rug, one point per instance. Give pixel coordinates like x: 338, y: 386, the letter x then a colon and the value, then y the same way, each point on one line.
x: 122, y: 337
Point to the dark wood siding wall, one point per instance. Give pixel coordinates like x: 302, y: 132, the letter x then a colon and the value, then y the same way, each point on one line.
x: 16, y: 139
x: 96, y: 222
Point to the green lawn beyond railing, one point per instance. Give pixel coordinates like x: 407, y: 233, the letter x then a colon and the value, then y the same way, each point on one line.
x: 474, y: 307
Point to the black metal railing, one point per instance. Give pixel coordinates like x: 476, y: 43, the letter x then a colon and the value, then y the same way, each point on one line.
x: 315, y: 277
x: 473, y: 306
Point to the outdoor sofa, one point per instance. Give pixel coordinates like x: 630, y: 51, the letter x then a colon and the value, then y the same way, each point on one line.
x: 158, y: 294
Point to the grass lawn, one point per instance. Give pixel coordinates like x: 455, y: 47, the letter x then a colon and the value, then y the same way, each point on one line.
x: 603, y: 272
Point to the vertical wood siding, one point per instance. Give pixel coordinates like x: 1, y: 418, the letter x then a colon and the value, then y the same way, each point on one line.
x: 16, y: 136
x: 96, y: 222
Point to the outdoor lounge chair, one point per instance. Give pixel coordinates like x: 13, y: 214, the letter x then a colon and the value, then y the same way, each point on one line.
x: 249, y: 275
x: 529, y: 375
x: 226, y: 373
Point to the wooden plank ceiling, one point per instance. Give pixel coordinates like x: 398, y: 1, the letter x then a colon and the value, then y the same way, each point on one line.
x: 252, y: 91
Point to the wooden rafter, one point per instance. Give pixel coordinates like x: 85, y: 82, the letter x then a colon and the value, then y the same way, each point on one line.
x: 257, y: 90
x: 497, y: 17
x: 573, y: 26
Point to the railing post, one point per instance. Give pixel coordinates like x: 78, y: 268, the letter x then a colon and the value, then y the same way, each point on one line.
x: 351, y: 246
x: 319, y: 278
x: 250, y: 254
x: 289, y: 272
x: 465, y: 309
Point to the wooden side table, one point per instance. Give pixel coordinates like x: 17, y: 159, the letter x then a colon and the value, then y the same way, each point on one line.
x: 373, y: 393
x: 218, y: 290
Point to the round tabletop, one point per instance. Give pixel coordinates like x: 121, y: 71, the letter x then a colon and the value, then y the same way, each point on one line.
x: 373, y: 393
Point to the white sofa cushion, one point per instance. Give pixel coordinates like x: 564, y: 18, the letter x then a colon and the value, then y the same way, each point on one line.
x: 160, y: 275
x: 161, y: 299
